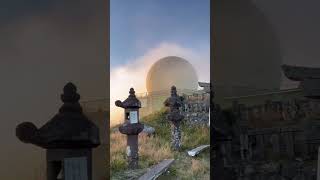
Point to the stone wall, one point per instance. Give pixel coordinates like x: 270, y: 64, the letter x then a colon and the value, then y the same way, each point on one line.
x: 272, y: 133
x: 196, y: 108
x: 273, y: 113
x: 275, y: 128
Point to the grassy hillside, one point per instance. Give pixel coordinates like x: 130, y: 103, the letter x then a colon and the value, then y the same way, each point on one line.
x: 154, y: 149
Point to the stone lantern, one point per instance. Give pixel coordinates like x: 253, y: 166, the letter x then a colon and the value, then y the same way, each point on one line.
x: 174, y: 103
x: 131, y: 126
x: 68, y: 139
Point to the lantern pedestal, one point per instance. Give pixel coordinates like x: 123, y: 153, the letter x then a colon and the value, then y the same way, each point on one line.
x: 132, y: 151
x: 176, y: 136
x: 132, y: 131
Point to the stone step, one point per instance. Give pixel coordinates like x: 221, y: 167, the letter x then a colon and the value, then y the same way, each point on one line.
x: 157, y: 170
x: 197, y: 150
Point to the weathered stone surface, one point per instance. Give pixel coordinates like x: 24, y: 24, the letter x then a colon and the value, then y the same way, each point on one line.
x: 206, y: 86
x: 309, y: 77
x: 195, y: 109
x: 318, y: 164
x: 298, y: 73
x: 275, y: 143
x: 286, y: 128
x: 174, y: 103
x: 175, y: 137
x: 131, y: 127
x: 148, y: 130
x: 311, y: 88
x: 157, y: 170
x: 197, y: 150
x: 132, y: 151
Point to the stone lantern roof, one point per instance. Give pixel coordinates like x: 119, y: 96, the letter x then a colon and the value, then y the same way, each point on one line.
x: 309, y: 77
x: 130, y: 102
x: 174, y: 102
x: 206, y: 86
x: 68, y: 129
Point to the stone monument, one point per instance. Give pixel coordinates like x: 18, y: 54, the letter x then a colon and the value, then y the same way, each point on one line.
x: 174, y: 103
x: 131, y: 127
x: 68, y: 137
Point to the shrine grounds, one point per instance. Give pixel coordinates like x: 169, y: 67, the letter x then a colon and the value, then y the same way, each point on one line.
x: 156, y: 148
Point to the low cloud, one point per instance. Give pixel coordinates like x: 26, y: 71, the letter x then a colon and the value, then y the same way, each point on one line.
x: 133, y: 74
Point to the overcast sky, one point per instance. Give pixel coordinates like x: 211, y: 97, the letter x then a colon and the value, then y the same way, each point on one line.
x: 43, y: 45
x: 297, y: 24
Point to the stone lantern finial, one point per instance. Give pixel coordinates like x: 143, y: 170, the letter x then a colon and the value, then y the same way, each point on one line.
x: 173, y: 91
x: 70, y: 98
x: 132, y: 92
x: 70, y: 94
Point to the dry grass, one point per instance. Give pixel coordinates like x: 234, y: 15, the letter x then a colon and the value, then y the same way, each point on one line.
x: 187, y: 168
x: 198, y: 166
x: 117, y: 151
x: 152, y: 150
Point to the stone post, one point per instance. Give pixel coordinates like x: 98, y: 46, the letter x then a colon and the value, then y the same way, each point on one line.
x: 260, y: 141
x: 290, y: 144
x: 174, y: 116
x: 244, y: 146
x: 209, y: 117
x: 318, y: 164
x: 275, y: 143
x: 131, y: 127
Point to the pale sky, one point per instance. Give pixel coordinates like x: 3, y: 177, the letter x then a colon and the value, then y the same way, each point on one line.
x: 140, y: 25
